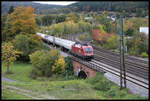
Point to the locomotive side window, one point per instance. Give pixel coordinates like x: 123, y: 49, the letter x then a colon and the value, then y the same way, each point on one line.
x: 88, y: 50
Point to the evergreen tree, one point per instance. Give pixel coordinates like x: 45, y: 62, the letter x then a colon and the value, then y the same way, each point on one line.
x: 11, y: 9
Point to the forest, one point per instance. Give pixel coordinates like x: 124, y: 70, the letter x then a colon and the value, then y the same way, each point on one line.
x: 138, y: 9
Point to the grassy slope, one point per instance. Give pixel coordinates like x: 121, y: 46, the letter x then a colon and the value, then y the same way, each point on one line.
x: 70, y: 89
x: 7, y: 94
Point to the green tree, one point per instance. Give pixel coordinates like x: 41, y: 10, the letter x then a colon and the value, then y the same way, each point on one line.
x: 72, y: 17
x: 27, y: 44
x: 43, y: 61
x: 138, y: 44
x: 9, y: 54
x: 3, y: 24
x: 68, y: 68
x: 11, y: 9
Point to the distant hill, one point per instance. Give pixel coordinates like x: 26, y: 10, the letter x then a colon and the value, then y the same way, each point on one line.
x: 119, y: 6
x: 37, y: 6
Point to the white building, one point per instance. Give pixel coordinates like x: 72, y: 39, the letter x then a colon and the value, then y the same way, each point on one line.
x: 145, y: 30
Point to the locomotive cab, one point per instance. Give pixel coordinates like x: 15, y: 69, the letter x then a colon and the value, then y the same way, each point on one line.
x: 88, y: 52
x: 83, y: 50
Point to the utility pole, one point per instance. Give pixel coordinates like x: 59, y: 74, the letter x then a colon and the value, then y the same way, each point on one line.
x: 122, y: 65
x: 53, y: 34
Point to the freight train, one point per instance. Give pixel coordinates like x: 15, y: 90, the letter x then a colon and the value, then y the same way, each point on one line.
x: 83, y: 51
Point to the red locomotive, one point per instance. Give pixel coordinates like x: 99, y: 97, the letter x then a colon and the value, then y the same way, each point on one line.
x: 83, y: 51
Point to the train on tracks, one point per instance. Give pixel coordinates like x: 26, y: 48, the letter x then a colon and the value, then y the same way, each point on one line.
x: 83, y: 51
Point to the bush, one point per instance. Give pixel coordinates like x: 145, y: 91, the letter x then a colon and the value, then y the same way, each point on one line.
x: 40, y: 61
x: 46, y: 62
x: 144, y: 55
x: 116, y: 92
x: 138, y: 44
x: 84, y: 36
x: 69, y: 69
x: 99, y: 82
x: 112, y: 42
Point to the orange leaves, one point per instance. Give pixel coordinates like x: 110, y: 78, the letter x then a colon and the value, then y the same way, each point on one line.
x: 21, y: 20
x: 96, y: 34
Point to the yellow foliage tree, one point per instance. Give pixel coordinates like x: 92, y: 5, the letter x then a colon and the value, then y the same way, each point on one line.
x: 59, y: 66
x: 8, y: 54
x: 20, y: 21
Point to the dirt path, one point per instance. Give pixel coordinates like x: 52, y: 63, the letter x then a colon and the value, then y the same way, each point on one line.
x: 28, y: 93
x: 7, y: 80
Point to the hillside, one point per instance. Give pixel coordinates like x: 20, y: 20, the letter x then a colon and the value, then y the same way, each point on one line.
x: 37, y: 6
x: 109, y: 6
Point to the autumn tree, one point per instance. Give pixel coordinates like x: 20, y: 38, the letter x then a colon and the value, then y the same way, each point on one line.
x: 20, y: 20
x: 59, y: 66
x: 8, y: 54
x: 72, y: 17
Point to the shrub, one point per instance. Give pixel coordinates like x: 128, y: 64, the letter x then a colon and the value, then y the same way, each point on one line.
x: 84, y: 36
x: 138, y: 44
x: 99, y: 82
x: 116, y: 92
x: 46, y: 62
x: 40, y: 61
x: 112, y: 42
x: 144, y: 55
x: 69, y: 69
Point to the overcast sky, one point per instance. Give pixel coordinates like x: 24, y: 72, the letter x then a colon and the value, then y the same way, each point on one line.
x: 55, y: 2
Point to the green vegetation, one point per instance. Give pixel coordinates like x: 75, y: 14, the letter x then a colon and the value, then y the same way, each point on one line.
x: 139, y: 9
x: 30, y: 44
x: 144, y: 55
x: 112, y: 42
x: 21, y: 20
x: 67, y: 27
x: 99, y: 82
x: 48, y: 73
x: 65, y: 89
x: 46, y: 63
x: 109, y: 89
x: 69, y: 69
x: 138, y: 44
x: 8, y: 54
x: 84, y: 36
x: 8, y: 95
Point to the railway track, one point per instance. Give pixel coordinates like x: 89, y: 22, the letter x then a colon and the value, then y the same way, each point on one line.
x: 114, y: 61
x: 101, y: 67
x: 108, y: 62
x: 138, y: 68
x: 127, y: 57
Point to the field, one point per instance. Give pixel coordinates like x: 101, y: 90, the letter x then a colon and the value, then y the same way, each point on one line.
x: 52, y: 88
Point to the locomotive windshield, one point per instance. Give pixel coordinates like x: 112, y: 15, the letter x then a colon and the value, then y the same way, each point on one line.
x: 88, y: 50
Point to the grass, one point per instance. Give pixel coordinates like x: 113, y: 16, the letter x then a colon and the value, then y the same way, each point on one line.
x: 7, y: 94
x: 20, y: 71
x: 58, y: 86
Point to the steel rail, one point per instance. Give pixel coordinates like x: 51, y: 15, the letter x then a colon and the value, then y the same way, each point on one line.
x: 99, y: 68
